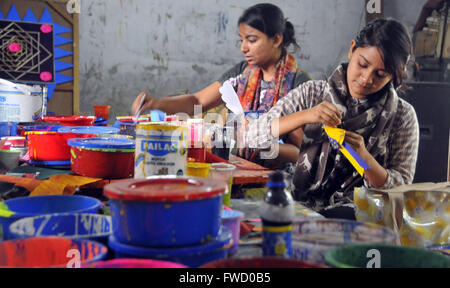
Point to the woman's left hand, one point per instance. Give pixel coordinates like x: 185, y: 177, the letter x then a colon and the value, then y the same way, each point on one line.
x: 356, y: 141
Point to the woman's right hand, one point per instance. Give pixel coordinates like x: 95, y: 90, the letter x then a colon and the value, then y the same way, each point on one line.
x: 325, y: 113
x: 148, y: 104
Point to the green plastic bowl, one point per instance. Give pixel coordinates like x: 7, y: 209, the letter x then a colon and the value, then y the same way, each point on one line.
x: 390, y: 256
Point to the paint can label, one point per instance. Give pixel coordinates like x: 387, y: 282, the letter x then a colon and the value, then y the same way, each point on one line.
x: 277, y: 241
x: 161, y: 149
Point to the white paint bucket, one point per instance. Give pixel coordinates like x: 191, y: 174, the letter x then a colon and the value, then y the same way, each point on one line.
x: 19, y: 102
x: 161, y: 149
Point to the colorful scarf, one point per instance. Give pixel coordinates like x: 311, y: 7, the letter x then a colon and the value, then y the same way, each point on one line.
x: 249, y: 85
x: 321, y: 171
x: 249, y: 89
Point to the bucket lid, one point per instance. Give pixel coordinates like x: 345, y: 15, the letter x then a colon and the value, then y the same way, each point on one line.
x: 165, y: 189
x: 101, y: 143
x: 49, y: 163
x: 89, y: 130
x: 220, y: 242
x: 68, y: 118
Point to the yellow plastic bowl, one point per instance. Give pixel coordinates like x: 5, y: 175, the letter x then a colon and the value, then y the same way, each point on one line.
x: 197, y: 169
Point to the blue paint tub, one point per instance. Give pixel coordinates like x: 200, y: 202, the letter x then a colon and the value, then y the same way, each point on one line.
x: 18, y: 208
x: 50, y: 252
x: 75, y: 226
x: 191, y: 256
x: 165, y: 211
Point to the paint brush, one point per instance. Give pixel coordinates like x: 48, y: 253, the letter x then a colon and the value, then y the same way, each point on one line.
x: 141, y: 103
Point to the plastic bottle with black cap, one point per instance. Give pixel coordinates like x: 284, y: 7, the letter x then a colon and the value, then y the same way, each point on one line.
x: 277, y: 213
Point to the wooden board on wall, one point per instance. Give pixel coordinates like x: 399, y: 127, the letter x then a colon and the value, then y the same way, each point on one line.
x: 66, y: 98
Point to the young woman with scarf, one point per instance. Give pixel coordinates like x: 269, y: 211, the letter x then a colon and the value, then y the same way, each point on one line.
x: 268, y: 73
x: 359, y: 97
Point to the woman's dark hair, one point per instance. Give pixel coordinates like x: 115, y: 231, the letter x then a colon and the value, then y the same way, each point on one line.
x: 270, y: 20
x: 392, y: 38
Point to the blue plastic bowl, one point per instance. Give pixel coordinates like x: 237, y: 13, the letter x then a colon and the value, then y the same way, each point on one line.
x: 191, y: 256
x: 41, y: 205
x: 75, y: 226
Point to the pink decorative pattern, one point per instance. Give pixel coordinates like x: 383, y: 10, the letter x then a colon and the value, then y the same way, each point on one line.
x: 45, y: 28
x: 14, y: 47
x: 46, y: 76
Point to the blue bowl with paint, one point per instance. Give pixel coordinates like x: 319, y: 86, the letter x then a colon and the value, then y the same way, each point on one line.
x: 191, y: 256
x: 18, y: 208
x: 75, y: 226
x: 165, y: 211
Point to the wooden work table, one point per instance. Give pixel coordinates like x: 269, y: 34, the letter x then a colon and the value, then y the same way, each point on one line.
x: 248, y: 172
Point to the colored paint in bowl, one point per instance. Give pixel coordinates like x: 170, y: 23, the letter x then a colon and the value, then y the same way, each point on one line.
x: 197, y: 169
x: 311, y: 239
x: 191, y: 256
x: 232, y: 220
x: 18, y: 208
x: 50, y: 252
x: 107, y: 158
x: 75, y: 226
x: 385, y: 256
x: 165, y: 211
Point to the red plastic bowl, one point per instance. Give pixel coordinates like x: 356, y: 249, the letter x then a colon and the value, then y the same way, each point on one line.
x: 51, y: 146
x: 71, y: 120
x: 101, y: 164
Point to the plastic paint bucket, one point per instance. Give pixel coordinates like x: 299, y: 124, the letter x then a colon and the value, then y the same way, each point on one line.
x: 134, y: 263
x: 20, y: 103
x: 232, y: 220
x: 71, y: 120
x: 311, y: 239
x: 161, y: 149
x: 385, y: 256
x: 165, y: 211
x: 262, y: 262
x: 8, y: 129
x: 49, y: 252
x: 224, y: 172
x: 97, y: 130
x: 196, y: 169
x: 102, y: 157
x: 40, y: 205
x: 51, y: 146
x: 75, y: 226
x: 191, y: 256
x: 102, y: 111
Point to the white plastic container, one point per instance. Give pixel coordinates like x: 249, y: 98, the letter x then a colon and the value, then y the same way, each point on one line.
x: 20, y: 103
x: 161, y: 149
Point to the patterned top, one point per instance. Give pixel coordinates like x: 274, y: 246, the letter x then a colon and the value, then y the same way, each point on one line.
x: 402, y: 144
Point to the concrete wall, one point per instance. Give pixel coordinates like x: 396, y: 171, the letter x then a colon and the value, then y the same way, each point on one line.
x: 173, y: 47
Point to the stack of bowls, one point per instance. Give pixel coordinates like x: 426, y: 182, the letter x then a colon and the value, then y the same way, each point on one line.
x: 168, y: 218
